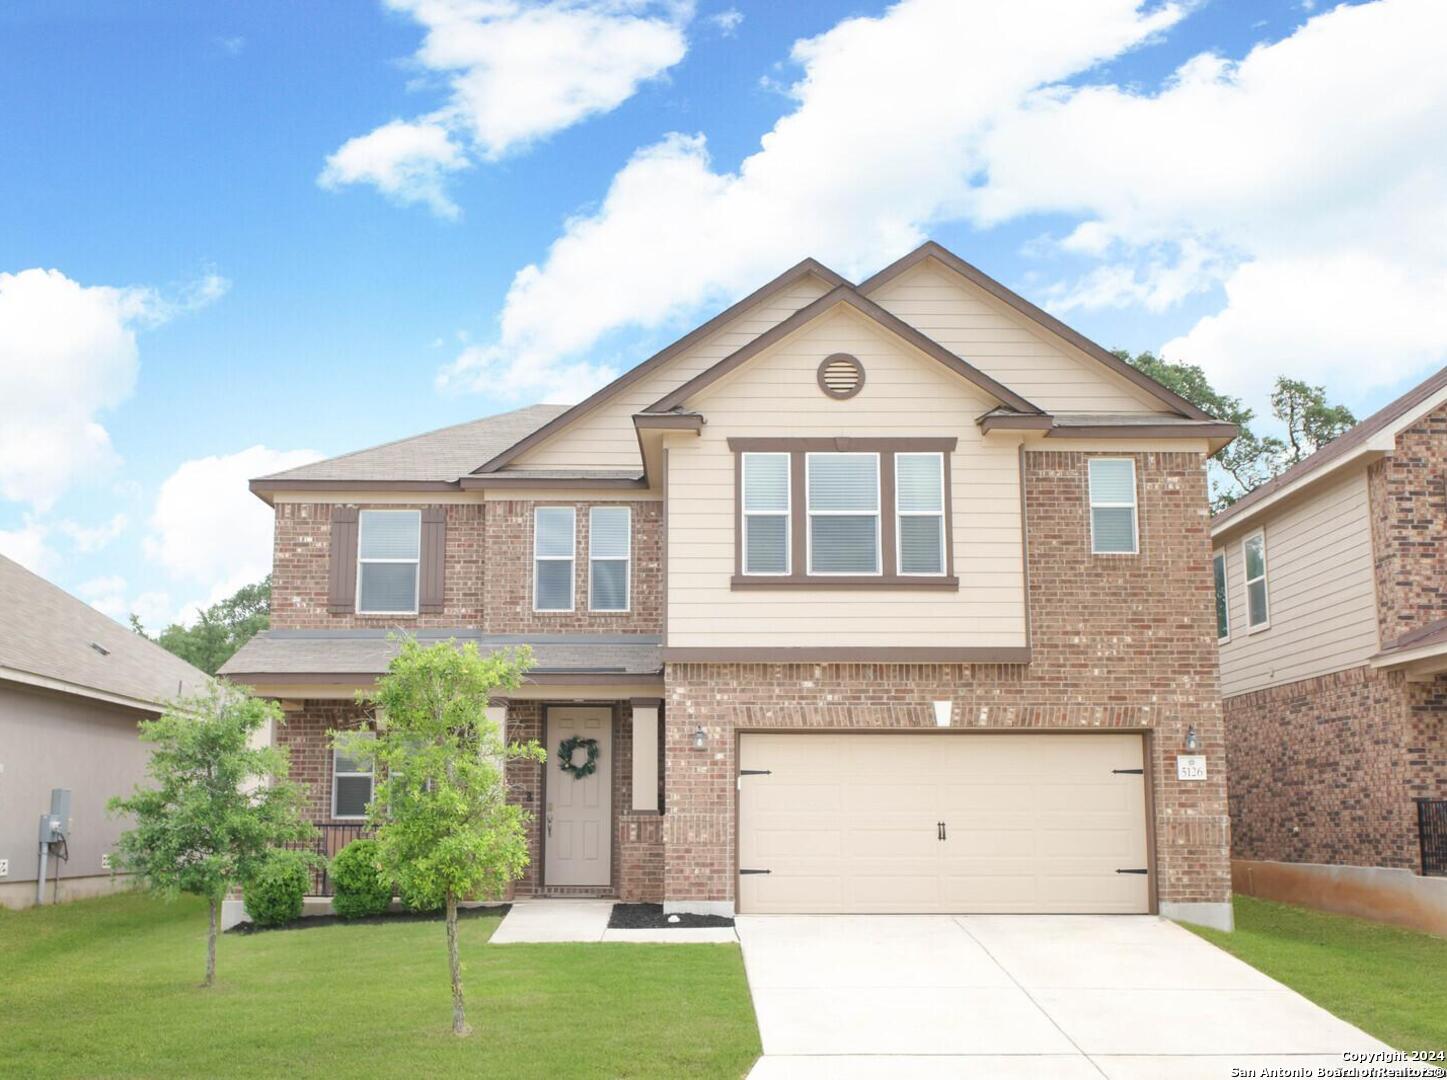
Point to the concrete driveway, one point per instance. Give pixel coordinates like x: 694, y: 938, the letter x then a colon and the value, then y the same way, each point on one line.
x: 1019, y: 996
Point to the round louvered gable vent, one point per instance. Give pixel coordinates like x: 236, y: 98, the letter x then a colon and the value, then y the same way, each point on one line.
x: 841, y: 376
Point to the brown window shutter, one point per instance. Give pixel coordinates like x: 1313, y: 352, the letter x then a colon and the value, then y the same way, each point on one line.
x: 434, y: 554
x: 342, y: 576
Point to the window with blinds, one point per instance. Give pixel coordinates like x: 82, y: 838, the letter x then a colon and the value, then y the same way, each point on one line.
x: 352, y: 779
x: 553, y: 554
x: 1223, y: 605
x: 919, y: 484
x: 1113, y: 527
x: 765, y: 513
x: 389, y: 554
x: 843, y: 506
x: 610, y: 530
x: 1258, y: 609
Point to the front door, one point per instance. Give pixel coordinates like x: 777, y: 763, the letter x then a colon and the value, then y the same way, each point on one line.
x: 578, y: 810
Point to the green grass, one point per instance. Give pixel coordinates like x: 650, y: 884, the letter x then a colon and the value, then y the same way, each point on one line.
x: 110, y: 988
x: 1385, y: 980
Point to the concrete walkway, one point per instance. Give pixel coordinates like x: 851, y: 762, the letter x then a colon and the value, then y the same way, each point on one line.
x: 587, y: 920
x: 1020, y: 996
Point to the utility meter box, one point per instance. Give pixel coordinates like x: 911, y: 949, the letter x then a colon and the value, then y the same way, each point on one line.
x: 56, y: 824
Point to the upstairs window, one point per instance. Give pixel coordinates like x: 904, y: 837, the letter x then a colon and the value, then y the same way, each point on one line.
x: 1113, y: 527
x: 1223, y: 612
x: 610, y: 531
x: 920, y: 513
x: 1258, y: 612
x: 766, y: 533
x: 352, y: 779
x: 554, y: 545
x: 389, y: 546
x: 843, y: 501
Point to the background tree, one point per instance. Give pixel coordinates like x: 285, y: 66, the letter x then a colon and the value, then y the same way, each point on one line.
x: 219, y: 630
x: 219, y: 806
x: 1251, y: 459
x: 444, y: 828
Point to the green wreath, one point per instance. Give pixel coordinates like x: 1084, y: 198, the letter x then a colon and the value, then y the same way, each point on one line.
x: 565, y: 757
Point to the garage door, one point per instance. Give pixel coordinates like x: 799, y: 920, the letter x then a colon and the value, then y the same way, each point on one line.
x: 948, y: 822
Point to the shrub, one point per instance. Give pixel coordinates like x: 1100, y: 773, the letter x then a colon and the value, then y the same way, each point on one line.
x: 357, y: 885
x: 274, y: 893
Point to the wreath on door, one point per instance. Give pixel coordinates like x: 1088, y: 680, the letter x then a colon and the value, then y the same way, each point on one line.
x: 569, y: 748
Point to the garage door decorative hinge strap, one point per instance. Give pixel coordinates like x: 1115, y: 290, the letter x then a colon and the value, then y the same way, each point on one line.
x: 743, y: 871
x: 1133, y: 772
x: 1142, y: 870
x: 756, y: 772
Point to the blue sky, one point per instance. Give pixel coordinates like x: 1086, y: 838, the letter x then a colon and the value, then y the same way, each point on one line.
x: 218, y: 255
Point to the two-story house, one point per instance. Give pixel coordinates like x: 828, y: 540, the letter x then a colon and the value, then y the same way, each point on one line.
x: 1331, y: 611
x: 888, y: 597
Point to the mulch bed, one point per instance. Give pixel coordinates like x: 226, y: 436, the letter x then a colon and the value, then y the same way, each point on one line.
x: 651, y: 917
x: 306, y: 923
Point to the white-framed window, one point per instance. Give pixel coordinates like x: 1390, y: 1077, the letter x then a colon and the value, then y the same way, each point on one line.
x: 1258, y: 604
x: 1113, y: 526
x: 766, y: 510
x: 843, y: 513
x: 919, y: 501
x: 389, y: 557
x: 352, y: 779
x: 554, y: 546
x: 1223, y: 603
x: 610, y: 533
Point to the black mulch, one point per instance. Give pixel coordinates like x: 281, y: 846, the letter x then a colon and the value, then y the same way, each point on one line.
x: 651, y: 917
x: 367, y: 920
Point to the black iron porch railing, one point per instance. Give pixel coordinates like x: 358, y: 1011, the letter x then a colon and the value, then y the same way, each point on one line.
x: 1432, y: 830
x: 331, y: 837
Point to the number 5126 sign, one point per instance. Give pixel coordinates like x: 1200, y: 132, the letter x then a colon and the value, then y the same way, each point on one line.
x: 1190, y: 766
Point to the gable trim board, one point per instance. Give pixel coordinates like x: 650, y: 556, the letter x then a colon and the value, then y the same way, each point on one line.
x: 977, y: 277
x: 845, y: 295
x: 800, y: 270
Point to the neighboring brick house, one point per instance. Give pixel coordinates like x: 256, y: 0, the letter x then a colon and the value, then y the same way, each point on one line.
x: 1332, y: 617
x: 879, y: 597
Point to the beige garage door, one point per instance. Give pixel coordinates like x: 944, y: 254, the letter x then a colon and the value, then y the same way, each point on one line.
x: 948, y: 822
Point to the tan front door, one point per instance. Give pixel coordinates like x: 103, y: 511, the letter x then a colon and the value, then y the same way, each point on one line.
x: 578, y: 812
x: 947, y: 822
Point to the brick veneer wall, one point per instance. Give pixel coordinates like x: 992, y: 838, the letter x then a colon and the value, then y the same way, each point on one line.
x: 509, y: 573
x: 1409, y: 528
x: 1120, y: 642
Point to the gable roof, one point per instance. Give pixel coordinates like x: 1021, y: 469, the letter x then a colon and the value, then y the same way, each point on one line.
x: 799, y: 270
x: 844, y: 294
x: 931, y: 250
x: 435, y: 457
x: 1385, y: 420
x: 47, y: 639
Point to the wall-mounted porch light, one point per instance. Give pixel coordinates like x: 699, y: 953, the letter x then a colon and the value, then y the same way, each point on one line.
x: 943, y: 710
x: 700, y: 738
x: 1193, y: 742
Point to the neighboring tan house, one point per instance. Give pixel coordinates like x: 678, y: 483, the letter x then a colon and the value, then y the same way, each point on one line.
x: 73, y: 686
x: 1332, y: 617
x: 889, y: 597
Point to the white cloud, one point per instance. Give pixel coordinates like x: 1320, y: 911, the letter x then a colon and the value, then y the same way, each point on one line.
x: 883, y: 141
x: 208, y: 530
x: 68, y: 354
x: 727, y: 21
x: 28, y: 545
x: 91, y: 538
x: 516, y: 72
x: 106, y: 595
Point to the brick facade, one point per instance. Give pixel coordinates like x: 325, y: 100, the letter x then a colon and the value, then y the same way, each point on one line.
x: 1119, y: 642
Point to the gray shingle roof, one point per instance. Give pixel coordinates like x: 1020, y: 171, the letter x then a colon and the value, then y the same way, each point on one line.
x: 367, y: 652
x: 47, y: 632
x: 441, y: 455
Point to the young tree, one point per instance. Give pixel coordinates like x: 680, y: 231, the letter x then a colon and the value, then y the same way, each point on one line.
x: 219, y: 806
x: 445, y: 830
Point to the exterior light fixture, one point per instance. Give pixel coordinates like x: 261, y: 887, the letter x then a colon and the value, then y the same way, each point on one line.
x: 943, y: 709
x: 700, y: 738
x: 1193, y: 742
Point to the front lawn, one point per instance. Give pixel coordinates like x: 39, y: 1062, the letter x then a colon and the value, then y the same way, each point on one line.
x: 1385, y: 980
x: 109, y: 988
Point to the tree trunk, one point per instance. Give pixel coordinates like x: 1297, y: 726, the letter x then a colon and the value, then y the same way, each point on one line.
x: 211, y: 943
x: 459, y: 1017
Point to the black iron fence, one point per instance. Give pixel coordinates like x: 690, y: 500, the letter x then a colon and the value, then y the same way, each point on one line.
x: 331, y: 837
x: 1432, y: 829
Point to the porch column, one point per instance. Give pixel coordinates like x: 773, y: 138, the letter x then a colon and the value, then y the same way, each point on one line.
x: 645, y: 753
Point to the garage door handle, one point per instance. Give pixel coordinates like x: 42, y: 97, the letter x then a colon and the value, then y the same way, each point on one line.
x: 940, y: 831
x: 1133, y: 772
x: 743, y: 871
x: 1142, y: 870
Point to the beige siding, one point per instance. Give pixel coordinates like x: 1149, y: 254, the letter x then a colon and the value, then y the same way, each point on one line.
x: 905, y: 394
x: 1001, y: 342
x: 1322, y: 600
x: 604, y: 439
